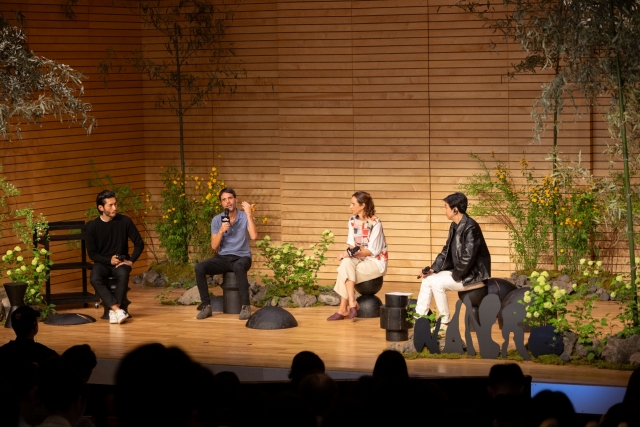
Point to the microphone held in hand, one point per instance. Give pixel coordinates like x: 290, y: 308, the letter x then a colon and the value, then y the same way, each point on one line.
x: 225, y: 217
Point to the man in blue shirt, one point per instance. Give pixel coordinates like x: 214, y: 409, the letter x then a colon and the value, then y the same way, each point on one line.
x: 230, y: 239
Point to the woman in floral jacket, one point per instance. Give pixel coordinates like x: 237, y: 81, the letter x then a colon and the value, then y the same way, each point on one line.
x: 365, y: 257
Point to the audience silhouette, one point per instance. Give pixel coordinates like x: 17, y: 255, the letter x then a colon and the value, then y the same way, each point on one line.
x: 162, y: 386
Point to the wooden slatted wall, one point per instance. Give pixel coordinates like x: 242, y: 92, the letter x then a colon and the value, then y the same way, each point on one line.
x: 50, y: 164
x: 384, y: 96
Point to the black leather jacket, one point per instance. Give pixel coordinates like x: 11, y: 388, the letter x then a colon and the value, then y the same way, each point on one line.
x: 474, y: 260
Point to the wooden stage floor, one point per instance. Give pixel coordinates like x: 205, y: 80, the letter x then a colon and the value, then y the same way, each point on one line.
x: 223, y: 340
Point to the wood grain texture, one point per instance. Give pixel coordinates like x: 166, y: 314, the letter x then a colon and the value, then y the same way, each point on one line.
x: 342, y: 345
x: 384, y: 96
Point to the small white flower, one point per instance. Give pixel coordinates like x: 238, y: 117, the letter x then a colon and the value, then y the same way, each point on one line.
x: 547, y: 287
x: 542, y: 280
x: 599, y: 263
x: 563, y: 292
x: 34, y: 261
x: 536, y: 314
x: 637, y: 260
x: 596, y: 272
x: 582, y: 261
x: 17, y: 249
x: 23, y: 268
x: 9, y: 252
x: 537, y: 289
x: 535, y: 274
x: 628, y: 286
x: 547, y: 305
x: 613, y: 294
x: 619, y: 278
x: 545, y: 274
x: 9, y: 272
x: 19, y: 259
x: 590, y: 262
x: 529, y: 315
x: 43, y: 251
x: 527, y: 299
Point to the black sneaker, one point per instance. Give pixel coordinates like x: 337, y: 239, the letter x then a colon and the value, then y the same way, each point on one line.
x: 245, y: 313
x: 204, y: 313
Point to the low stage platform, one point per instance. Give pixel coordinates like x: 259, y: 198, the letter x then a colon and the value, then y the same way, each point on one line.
x: 222, y: 342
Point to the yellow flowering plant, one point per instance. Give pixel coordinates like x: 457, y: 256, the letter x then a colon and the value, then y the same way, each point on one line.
x: 522, y: 208
x: 292, y: 267
x: 545, y: 304
x: 188, y: 204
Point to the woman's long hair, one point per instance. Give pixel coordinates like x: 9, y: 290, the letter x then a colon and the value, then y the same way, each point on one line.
x: 365, y: 198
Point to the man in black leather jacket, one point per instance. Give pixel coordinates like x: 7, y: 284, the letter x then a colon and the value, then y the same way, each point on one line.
x: 463, y: 264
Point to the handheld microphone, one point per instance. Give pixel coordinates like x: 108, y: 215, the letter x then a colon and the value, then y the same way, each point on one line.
x: 225, y: 217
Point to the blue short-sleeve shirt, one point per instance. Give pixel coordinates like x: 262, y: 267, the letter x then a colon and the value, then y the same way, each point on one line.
x: 236, y: 240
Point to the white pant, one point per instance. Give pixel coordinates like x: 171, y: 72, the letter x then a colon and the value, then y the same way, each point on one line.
x: 436, y: 284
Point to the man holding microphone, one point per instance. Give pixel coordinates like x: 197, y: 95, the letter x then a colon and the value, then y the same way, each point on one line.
x: 230, y: 234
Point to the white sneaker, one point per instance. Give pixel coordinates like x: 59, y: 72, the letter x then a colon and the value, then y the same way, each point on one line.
x: 121, y: 316
x: 112, y: 317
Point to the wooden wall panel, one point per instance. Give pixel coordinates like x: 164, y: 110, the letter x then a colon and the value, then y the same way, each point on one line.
x: 385, y: 96
x: 50, y: 164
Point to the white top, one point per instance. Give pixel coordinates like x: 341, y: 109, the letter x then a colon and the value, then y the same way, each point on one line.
x: 369, y: 235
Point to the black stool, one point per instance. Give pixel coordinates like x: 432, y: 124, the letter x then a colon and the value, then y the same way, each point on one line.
x: 111, y: 283
x: 493, y: 286
x: 393, y: 316
x: 231, y: 303
x: 369, y: 302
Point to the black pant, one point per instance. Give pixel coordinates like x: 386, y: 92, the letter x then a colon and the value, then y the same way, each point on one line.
x: 220, y: 264
x: 100, y: 274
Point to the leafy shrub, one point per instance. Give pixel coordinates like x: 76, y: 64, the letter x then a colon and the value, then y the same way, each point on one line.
x: 292, y: 267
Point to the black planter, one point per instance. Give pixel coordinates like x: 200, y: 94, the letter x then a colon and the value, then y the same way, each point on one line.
x: 543, y: 340
x: 15, y: 293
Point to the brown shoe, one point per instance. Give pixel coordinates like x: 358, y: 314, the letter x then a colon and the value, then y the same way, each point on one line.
x: 336, y: 316
x: 353, y: 312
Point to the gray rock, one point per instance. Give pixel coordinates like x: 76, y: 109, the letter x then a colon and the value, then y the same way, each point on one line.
x: 190, y: 296
x: 593, y: 289
x: 303, y: 299
x: 569, y: 339
x: 600, y: 290
x: 150, y: 276
x: 405, y: 347
x: 138, y: 279
x: 567, y: 286
x: 634, y: 359
x: 619, y: 350
x: 564, y: 278
x: 583, y: 350
x: 513, y: 278
x: 329, y: 298
x: 6, y: 305
x: 284, y: 302
x: 604, y: 296
x: 521, y: 281
x: 259, y: 294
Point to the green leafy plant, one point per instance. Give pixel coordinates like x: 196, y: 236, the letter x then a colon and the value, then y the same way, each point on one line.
x: 33, y: 87
x: 545, y: 304
x: 293, y: 267
x: 587, y: 328
x: 26, y: 263
x: 523, y: 210
x: 624, y: 293
x: 187, y: 206
x: 193, y: 68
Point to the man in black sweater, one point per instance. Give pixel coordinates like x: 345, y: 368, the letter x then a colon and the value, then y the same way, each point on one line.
x: 107, y: 244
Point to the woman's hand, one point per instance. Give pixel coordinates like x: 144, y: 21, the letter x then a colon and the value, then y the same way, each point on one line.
x: 342, y: 256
